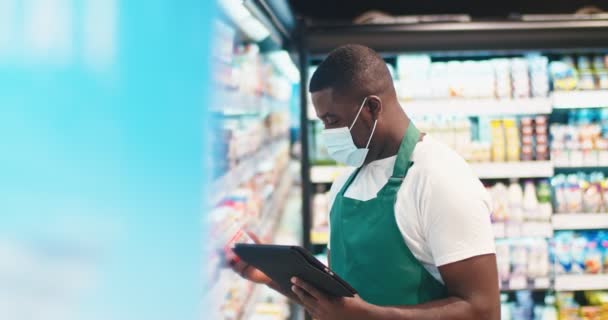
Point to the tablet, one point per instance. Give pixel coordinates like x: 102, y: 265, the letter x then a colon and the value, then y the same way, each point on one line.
x: 280, y: 263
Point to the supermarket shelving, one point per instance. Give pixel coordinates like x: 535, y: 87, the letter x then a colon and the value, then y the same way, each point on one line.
x: 574, y: 282
x: 319, y: 237
x: 271, y: 213
x: 486, y: 170
x: 269, y: 220
x: 520, y: 230
x: 522, y: 283
x: 580, y: 221
x: 242, y: 172
x: 250, y: 303
x: 505, y: 170
x: 579, y: 99
x: 478, y: 107
x: 326, y: 174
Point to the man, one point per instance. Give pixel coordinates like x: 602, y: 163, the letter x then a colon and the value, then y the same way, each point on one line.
x: 410, y: 226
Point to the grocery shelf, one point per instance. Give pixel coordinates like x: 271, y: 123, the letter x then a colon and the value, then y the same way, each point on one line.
x: 319, y: 237
x: 522, y: 283
x: 599, y: 166
x: 477, y: 107
x: 326, y: 174
x: 271, y: 213
x: 484, y: 170
x: 579, y: 99
x: 579, y: 282
x: 250, y: 303
x: 242, y: 172
x: 506, y: 170
x: 580, y: 221
x: 522, y: 230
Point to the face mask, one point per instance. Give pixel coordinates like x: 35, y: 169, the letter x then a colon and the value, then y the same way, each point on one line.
x: 341, y: 146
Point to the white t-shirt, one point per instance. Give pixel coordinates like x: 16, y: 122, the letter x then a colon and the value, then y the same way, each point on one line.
x: 442, y: 209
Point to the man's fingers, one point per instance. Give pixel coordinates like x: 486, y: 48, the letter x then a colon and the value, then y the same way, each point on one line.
x: 253, y: 237
x: 240, y: 268
x: 314, y: 292
x: 306, y: 300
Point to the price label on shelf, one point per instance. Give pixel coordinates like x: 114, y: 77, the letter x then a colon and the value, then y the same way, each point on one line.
x: 513, y: 230
x: 518, y: 283
x: 542, y: 283
x: 537, y: 229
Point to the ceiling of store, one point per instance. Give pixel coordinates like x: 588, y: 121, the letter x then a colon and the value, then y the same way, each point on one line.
x: 346, y: 10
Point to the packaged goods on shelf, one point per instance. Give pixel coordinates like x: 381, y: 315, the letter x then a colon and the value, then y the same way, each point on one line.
x: 580, y: 73
x: 582, y: 252
x: 594, y: 305
x: 523, y: 259
x: 517, y: 204
x: 580, y: 192
x: 491, y: 139
x: 525, y: 306
x: 583, y: 141
x: 503, y: 78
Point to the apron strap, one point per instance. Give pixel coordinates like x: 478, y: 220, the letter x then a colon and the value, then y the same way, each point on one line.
x: 349, y: 181
x: 403, y: 162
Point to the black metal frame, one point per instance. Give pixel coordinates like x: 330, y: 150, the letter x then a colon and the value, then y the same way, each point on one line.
x: 303, y: 60
x: 462, y: 37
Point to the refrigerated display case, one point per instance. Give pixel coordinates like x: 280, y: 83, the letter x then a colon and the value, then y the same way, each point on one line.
x: 525, y: 103
x: 253, y: 174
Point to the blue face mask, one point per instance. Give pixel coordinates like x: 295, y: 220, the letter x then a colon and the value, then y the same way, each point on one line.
x: 341, y: 146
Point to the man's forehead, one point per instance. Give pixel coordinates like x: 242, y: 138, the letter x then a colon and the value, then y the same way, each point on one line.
x: 326, y: 101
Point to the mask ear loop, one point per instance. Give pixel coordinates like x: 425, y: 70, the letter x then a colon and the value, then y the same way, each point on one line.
x: 358, y: 113
x: 372, y: 134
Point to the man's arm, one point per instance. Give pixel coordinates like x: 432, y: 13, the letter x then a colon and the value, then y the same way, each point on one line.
x: 472, y: 286
x: 473, y: 291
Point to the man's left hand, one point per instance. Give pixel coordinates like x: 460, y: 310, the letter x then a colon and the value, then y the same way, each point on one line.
x: 324, y: 307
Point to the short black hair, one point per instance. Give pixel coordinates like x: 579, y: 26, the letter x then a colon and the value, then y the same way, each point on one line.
x: 353, y: 70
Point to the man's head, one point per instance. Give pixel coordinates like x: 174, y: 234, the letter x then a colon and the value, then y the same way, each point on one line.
x: 350, y: 75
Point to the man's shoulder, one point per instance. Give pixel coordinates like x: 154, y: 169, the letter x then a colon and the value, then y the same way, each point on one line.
x: 433, y: 158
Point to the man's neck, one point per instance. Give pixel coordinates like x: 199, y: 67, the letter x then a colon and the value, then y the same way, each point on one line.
x: 400, y: 122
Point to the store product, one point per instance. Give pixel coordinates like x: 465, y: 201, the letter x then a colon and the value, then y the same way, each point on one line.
x: 583, y: 141
x: 580, y: 192
x: 580, y: 252
x: 525, y: 259
x: 530, y: 201
x: 543, y: 193
x: 563, y: 75
x: 490, y: 139
x: 516, y: 204
x: 539, y: 75
x: 503, y: 78
x: 593, y: 306
x: 587, y: 73
x: 524, y: 305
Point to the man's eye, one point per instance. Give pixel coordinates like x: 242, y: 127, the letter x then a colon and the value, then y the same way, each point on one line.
x: 330, y: 121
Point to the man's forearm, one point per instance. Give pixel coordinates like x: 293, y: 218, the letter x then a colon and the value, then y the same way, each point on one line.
x: 446, y: 309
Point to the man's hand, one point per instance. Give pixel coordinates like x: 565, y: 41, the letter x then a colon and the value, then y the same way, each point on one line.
x: 246, y: 270
x: 324, y: 307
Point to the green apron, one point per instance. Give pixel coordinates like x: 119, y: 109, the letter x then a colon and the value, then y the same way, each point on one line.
x: 367, y: 248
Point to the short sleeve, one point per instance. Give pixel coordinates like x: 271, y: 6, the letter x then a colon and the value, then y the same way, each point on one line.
x: 455, y: 211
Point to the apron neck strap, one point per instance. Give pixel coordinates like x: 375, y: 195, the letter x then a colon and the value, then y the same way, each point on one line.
x: 409, y: 141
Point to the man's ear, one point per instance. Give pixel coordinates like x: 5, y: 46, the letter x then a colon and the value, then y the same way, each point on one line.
x: 374, y: 105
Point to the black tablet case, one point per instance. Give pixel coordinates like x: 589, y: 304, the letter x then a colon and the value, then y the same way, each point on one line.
x: 280, y: 263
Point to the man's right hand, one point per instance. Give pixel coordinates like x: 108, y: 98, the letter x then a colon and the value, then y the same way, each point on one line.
x: 246, y: 270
